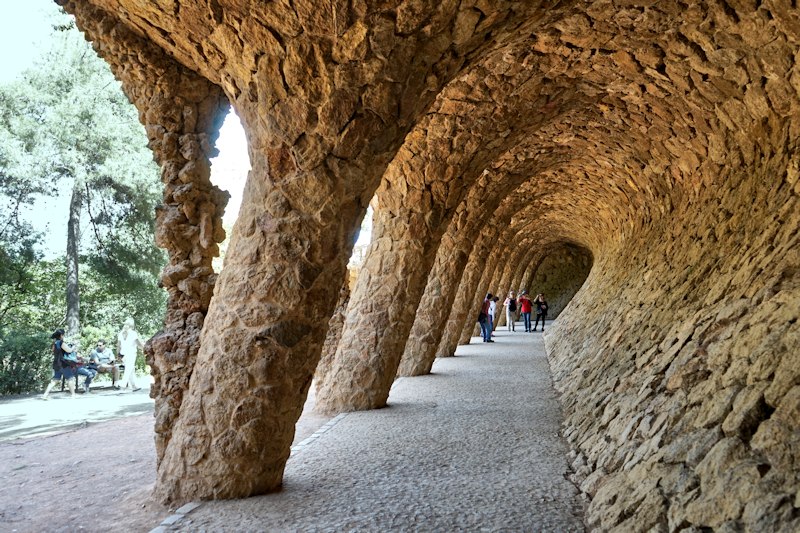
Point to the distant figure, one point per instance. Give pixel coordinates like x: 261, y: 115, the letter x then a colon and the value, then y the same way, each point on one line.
x: 492, y: 314
x: 510, y: 303
x: 127, y: 343
x: 483, y: 319
x: 541, y: 310
x: 104, y: 362
x: 525, y: 306
x: 60, y: 349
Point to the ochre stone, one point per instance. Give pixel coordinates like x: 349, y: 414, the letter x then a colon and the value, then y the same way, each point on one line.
x: 508, y: 145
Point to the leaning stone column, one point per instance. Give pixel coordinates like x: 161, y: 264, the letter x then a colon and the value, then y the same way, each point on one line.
x: 473, y: 305
x: 334, y: 335
x: 436, y: 303
x: 182, y: 113
x: 381, y: 310
x: 502, y: 288
x: 460, y: 311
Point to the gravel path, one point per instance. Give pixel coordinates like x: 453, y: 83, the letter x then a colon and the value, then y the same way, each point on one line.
x: 472, y: 447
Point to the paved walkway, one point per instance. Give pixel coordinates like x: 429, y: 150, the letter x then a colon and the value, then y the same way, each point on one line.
x: 29, y: 415
x: 472, y: 447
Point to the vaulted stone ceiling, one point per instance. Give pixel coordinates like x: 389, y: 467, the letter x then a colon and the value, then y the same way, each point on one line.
x: 658, y: 137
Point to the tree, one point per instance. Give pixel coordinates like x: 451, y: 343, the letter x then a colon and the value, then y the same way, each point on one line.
x: 68, y: 131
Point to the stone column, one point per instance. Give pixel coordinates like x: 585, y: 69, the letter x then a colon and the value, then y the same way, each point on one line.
x: 459, y: 313
x: 182, y: 113
x: 381, y: 310
x: 502, y: 288
x: 436, y: 304
x: 474, y: 303
x: 335, y: 326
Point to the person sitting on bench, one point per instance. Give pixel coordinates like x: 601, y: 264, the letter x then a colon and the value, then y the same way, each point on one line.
x: 102, y: 359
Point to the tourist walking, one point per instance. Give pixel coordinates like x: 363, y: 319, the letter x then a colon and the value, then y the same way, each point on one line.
x: 510, y: 303
x: 483, y: 319
x: 525, y: 306
x: 60, y: 370
x: 127, y: 343
x: 541, y: 310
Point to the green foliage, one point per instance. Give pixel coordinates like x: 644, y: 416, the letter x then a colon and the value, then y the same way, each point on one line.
x: 25, y: 362
x: 66, y: 125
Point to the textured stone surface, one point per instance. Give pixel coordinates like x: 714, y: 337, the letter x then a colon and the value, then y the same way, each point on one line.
x: 559, y: 276
x: 660, y: 136
x: 182, y: 113
x: 690, y: 384
x: 473, y: 447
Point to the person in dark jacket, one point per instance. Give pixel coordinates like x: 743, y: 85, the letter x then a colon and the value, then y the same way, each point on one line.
x: 61, y: 370
x: 483, y: 319
x: 541, y: 310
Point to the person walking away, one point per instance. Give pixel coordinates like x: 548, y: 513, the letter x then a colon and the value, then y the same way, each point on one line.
x: 127, y: 342
x: 541, y: 310
x: 60, y: 348
x: 525, y: 307
x: 510, y: 303
x: 483, y: 319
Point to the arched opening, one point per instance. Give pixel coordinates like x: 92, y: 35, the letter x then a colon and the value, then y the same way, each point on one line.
x: 560, y: 275
x: 229, y: 171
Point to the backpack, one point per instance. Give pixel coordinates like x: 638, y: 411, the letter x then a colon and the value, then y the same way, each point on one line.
x: 512, y: 305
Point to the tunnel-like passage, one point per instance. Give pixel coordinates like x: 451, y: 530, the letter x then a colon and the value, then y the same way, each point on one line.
x: 652, y: 145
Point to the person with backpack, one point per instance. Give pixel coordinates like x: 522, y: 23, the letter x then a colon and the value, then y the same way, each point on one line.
x: 60, y: 370
x: 510, y: 304
x: 483, y: 319
x: 541, y: 310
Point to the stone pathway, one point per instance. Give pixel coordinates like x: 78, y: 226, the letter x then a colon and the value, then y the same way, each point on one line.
x: 29, y: 415
x: 472, y: 447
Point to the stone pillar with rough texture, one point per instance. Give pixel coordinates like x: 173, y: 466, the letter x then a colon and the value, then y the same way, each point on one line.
x: 471, y: 328
x: 451, y: 260
x: 334, y: 334
x: 182, y: 113
x: 326, y: 94
x: 436, y: 303
x: 460, y: 312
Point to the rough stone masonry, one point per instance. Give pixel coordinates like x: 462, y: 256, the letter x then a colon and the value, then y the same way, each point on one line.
x: 653, y: 143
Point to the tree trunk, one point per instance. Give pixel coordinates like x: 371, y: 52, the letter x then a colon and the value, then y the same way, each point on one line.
x: 73, y: 246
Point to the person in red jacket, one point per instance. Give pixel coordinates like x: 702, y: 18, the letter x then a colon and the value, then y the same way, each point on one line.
x: 525, y: 306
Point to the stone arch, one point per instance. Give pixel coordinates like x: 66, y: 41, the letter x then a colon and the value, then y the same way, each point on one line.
x: 673, y: 132
x: 560, y: 275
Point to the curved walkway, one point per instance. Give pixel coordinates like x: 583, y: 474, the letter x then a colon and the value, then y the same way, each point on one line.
x: 472, y: 447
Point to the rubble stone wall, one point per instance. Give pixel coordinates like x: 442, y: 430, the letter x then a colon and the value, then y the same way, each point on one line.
x: 683, y: 405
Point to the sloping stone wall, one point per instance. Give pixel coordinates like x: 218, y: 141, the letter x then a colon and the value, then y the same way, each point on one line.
x: 684, y: 403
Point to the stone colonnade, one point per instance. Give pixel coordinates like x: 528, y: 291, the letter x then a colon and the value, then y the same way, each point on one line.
x: 507, y: 144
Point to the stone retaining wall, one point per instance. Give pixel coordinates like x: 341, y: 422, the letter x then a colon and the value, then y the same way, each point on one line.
x: 683, y: 405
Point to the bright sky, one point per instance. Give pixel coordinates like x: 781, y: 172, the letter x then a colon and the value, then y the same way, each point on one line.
x: 26, y: 29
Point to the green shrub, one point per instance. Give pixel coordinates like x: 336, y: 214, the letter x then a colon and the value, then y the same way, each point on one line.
x: 25, y: 362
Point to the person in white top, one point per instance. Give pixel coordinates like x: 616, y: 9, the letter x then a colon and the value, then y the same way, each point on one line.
x: 492, y: 314
x: 510, y: 304
x: 127, y: 342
